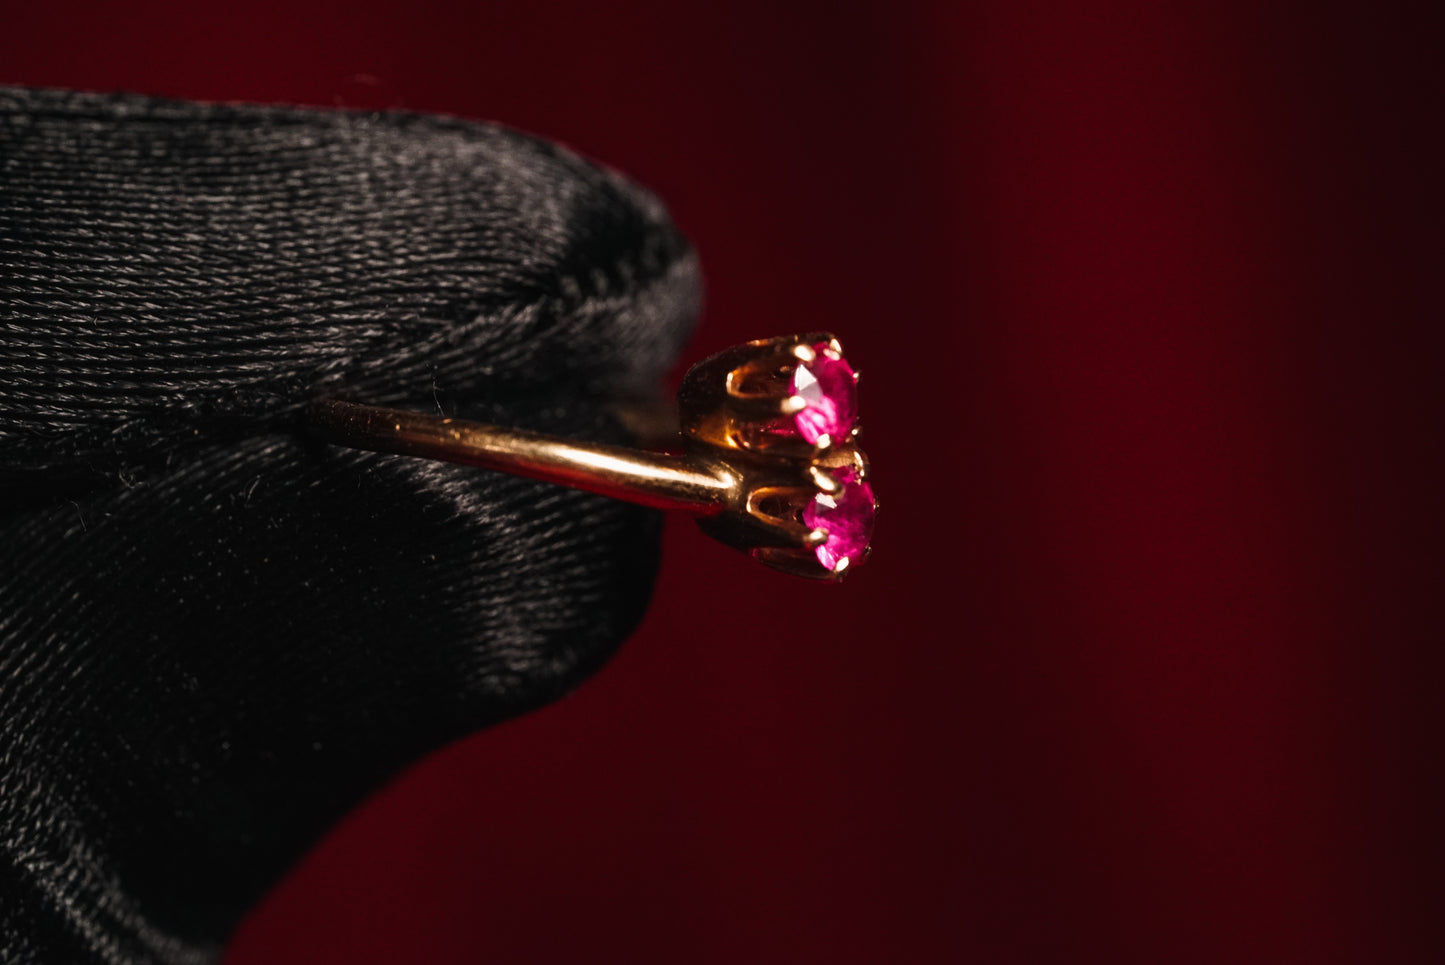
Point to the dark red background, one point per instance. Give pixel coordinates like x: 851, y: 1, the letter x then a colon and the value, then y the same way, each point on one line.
x: 1138, y: 671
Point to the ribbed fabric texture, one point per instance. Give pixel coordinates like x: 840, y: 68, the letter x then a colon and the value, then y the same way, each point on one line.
x: 216, y: 635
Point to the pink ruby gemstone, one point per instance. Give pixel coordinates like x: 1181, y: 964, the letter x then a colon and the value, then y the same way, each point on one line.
x: 846, y: 517
x: 829, y: 387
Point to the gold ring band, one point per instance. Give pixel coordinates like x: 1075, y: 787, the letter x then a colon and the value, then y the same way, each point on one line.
x: 768, y: 459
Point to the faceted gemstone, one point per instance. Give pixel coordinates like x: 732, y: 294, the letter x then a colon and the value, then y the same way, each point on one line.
x: 829, y: 388
x: 846, y: 517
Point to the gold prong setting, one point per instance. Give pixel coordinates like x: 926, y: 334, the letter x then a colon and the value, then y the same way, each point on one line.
x: 783, y: 413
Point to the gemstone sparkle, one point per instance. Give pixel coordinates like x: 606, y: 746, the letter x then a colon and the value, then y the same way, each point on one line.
x: 847, y: 518
x: 829, y: 390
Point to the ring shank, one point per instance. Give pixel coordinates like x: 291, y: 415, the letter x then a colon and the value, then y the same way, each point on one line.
x: 653, y: 479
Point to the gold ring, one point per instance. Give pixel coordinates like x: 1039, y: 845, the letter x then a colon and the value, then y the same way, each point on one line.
x: 766, y: 456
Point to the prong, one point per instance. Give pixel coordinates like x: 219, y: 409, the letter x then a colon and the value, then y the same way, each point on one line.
x: 769, y: 531
x: 825, y: 482
x: 845, y: 457
x: 757, y: 391
x: 803, y: 352
x: 762, y: 439
x: 751, y: 530
x: 785, y: 529
x: 797, y: 564
x: 856, y: 374
x: 761, y: 409
x: 835, y: 347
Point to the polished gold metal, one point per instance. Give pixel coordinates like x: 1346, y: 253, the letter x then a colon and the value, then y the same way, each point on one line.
x: 746, y: 482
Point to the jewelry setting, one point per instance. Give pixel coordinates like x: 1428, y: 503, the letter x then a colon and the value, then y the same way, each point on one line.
x: 769, y: 461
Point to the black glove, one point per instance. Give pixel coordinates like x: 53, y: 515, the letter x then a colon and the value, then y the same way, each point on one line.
x: 216, y: 634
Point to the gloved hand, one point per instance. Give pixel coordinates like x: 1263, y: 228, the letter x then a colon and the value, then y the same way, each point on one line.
x: 216, y: 635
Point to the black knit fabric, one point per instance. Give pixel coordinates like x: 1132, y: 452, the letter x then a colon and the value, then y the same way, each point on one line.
x: 216, y: 634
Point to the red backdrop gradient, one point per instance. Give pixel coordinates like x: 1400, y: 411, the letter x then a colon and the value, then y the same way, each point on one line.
x: 1136, y: 290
